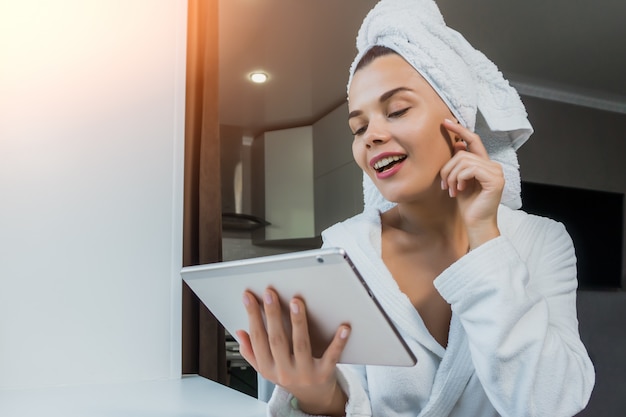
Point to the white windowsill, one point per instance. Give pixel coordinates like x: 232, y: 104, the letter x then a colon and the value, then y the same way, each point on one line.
x: 189, y: 396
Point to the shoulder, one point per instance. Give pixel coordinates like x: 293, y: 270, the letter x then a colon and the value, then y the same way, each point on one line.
x: 360, y: 226
x: 534, y: 236
x: 518, y: 223
x: 366, y: 219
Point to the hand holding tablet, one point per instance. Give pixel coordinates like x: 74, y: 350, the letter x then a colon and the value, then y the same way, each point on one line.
x: 327, y: 289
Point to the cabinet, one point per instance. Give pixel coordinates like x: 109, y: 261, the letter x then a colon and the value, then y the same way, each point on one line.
x: 305, y: 180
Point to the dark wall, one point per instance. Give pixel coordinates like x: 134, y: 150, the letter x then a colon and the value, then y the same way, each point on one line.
x: 574, y: 146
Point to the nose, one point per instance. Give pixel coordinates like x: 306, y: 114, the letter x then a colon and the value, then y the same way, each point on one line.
x: 376, y: 133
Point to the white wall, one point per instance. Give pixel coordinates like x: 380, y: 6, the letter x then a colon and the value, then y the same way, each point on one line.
x: 91, y: 156
x: 289, y: 183
x: 338, y: 179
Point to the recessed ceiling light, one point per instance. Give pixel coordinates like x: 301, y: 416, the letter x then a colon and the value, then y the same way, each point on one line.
x: 258, y: 77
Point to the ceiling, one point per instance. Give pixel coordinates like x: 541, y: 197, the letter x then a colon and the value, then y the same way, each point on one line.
x: 573, y: 51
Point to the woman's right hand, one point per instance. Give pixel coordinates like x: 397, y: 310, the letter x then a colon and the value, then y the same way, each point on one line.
x: 311, y: 380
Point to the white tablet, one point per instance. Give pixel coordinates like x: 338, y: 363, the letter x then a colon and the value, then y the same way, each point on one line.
x: 332, y: 289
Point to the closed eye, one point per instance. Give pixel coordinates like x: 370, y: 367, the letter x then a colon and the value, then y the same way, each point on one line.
x: 360, y: 131
x: 398, y: 113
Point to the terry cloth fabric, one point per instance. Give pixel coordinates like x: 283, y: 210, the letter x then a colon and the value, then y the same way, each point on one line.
x: 465, y: 79
x: 513, y: 335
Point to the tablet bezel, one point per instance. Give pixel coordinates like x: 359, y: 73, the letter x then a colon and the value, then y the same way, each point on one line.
x: 330, y: 285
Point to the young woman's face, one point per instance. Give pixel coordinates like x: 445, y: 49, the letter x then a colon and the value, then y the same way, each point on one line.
x: 396, y: 118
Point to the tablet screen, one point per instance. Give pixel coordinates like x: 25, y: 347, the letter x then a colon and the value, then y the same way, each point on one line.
x: 331, y: 287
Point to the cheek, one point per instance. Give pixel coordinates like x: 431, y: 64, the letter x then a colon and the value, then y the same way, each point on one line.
x: 448, y: 138
x: 358, y: 153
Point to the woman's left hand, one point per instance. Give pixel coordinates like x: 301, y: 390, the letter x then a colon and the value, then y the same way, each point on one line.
x: 476, y: 182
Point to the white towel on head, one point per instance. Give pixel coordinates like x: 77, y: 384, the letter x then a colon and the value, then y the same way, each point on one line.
x: 467, y: 81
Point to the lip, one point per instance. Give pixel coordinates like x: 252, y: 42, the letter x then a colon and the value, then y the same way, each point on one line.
x: 389, y: 172
x: 382, y: 156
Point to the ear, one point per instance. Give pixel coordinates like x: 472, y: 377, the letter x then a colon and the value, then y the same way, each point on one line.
x: 451, y: 137
x: 458, y: 143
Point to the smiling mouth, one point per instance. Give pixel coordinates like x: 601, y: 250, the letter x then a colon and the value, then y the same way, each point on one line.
x: 388, y: 162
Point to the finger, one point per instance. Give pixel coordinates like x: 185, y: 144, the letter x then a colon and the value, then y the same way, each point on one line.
x: 279, y: 342
x: 258, y: 335
x: 487, y: 174
x: 333, y: 352
x: 464, y: 176
x: 245, y: 348
x: 475, y: 145
x: 449, y: 172
x: 473, y: 142
x: 300, y: 334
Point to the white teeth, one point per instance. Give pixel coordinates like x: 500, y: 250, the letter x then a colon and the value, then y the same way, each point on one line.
x: 386, y: 161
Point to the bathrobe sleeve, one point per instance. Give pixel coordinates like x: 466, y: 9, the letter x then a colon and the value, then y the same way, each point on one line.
x: 352, y: 379
x: 517, y: 304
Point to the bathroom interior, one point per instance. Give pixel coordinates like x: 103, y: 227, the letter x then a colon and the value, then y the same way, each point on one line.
x: 558, y: 56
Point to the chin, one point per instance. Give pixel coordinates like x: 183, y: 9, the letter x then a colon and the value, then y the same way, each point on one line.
x: 398, y: 197
x: 406, y: 196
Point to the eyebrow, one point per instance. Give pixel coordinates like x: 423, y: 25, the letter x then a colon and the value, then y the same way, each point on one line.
x: 384, y: 97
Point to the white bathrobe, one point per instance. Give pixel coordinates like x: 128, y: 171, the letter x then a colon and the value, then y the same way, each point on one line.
x: 513, y: 348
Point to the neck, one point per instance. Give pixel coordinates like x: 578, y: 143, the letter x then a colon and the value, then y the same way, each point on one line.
x: 434, y: 221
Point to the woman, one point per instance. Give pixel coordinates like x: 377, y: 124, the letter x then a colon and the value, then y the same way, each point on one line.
x: 482, y: 293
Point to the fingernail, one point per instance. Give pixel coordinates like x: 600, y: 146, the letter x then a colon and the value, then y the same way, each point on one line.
x: 450, y: 192
x: 267, y: 297
x: 449, y: 121
x: 344, y: 333
x: 443, y: 185
x: 295, y: 309
x: 246, y: 300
